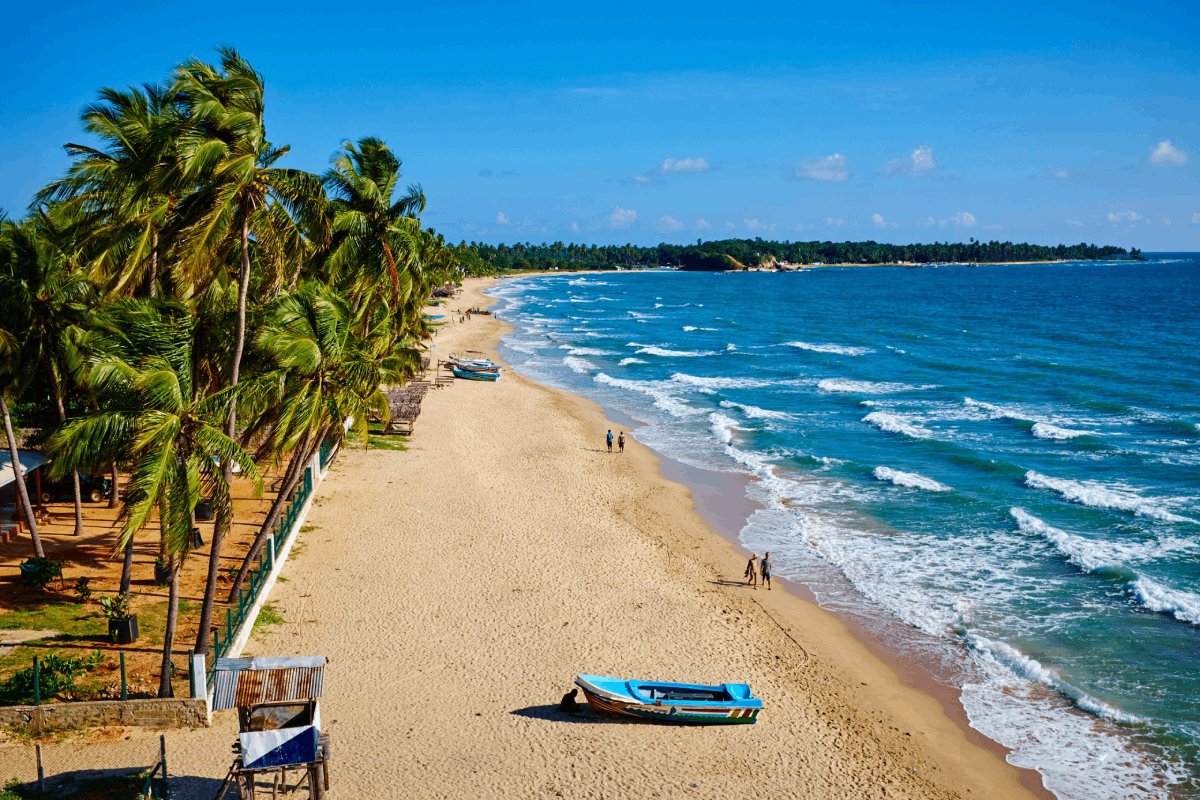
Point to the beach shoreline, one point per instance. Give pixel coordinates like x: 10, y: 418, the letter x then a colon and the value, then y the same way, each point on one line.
x: 460, y: 585
x: 725, y: 509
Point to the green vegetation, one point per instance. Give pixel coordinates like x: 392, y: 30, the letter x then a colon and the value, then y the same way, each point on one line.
x: 484, y: 259
x: 267, y: 615
x: 179, y: 293
x: 56, y: 677
x: 37, y: 572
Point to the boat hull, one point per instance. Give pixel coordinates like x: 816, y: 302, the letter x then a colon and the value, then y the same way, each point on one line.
x: 475, y: 376
x: 610, y: 697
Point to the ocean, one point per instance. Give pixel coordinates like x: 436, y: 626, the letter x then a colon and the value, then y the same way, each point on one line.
x: 994, y: 468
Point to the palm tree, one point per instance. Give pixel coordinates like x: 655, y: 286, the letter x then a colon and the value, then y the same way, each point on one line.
x: 55, y: 297
x: 226, y: 155
x: 368, y: 224
x: 170, y: 437
x: 324, y: 374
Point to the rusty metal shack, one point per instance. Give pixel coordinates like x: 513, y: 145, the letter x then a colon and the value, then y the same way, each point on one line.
x: 279, y: 720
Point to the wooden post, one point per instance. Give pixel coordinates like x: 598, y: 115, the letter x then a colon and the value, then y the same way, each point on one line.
x: 162, y: 748
x: 37, y: 480
x: 124, y: 687
x: 37, y: 683
x: 41, y: 772
x: 191, y: 672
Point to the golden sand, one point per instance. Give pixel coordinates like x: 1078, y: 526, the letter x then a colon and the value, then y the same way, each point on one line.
x: 458, y: 588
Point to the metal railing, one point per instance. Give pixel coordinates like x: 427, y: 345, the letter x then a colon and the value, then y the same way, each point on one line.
x: 235, y: 614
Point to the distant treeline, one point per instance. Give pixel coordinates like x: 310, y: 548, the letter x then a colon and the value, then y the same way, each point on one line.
x: 480, y: 258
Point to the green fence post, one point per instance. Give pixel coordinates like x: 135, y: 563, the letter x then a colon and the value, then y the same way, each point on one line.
x: 124, y: 686
x: 191, y: 672
x: 271, y: 552
x: 228, y: 624
x: 37, y: 683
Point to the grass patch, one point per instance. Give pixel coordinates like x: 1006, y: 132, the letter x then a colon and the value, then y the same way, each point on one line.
x: 307, y: 528
x: 393, y: 442
x: 267, y: 615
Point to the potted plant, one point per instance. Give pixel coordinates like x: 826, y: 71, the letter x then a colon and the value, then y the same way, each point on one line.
x: 162, y: 572
x: 122, y: 626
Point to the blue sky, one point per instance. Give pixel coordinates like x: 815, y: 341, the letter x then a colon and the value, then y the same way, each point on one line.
x: 623, y: 122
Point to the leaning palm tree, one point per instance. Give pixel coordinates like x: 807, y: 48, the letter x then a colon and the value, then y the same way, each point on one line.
x: 325, y: 374
x: 368, y: 222
x: 55, y: 296
x: 171, y: 436
x: 226, y: 156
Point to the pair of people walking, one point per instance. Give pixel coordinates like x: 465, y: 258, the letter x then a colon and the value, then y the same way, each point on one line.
x: 756, y: 569
x: 620, y: 441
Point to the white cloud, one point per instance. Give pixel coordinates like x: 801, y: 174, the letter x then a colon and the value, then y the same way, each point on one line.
x: 1062, y: 173
x: 835, y: 222
x: 755, y: 225
x: 1074, y: 222
x: 730, y: 225
x: 918, y: 161
x: 963, y: 219
x: 667, y: 222
x: 927, y: 222
x: 501, y: 219
x: 1124, y: 216
x: 830, y: 168
x: 702, y: 225
x: 641, y: 179
x: 685, y: 165
x: 1195, y: 220
x: 575, y: 227
x: 878, y: 221
x: 1166, y: 153
x: 621, y: 216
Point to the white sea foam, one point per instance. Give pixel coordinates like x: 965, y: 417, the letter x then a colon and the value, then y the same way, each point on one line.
x: 730, y: 346
x: 897, y: 423
x: 1099, y: 495
x: 754, y: 412
x: 842, y: 350
x: 660, y: 351
x: 722, y: 427
x: 719, y: 383
x: 1185, y: 606
x: 579, y: 365
x: 910, y: 479
x: 636, y: 315
x: 627, y: 361
x: 586, y: 351
x: 1044, y: 430
x: 1033, y: 670
x: 662, y: 397
x: 866, y: 387
x: 1090, y: 555
x: 689, y: 327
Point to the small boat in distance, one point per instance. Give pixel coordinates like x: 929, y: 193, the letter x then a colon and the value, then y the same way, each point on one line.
x: 471, y: 375
x: 727, y: 704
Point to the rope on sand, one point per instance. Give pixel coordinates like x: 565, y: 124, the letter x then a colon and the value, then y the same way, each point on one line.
x: 771, y: 617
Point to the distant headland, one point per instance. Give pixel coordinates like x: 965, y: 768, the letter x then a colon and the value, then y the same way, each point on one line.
x: 759, y: 254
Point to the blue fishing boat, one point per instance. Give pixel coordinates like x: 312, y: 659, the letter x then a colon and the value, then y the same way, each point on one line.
x: 472, y: 375
x: 726, y: 704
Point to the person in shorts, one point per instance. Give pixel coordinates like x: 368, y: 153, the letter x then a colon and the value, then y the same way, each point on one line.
x: 610, y: 441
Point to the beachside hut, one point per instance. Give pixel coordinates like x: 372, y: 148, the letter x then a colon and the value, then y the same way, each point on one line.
x: 279, y: 719
x: 31, y: 462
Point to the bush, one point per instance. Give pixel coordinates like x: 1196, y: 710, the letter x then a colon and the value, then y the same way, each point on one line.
x: 56, y: 676
x: 39, y: 571
x: 83, y: 590
x: 116, y: 608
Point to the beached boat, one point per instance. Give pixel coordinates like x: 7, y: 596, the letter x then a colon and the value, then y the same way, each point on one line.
x: 475, y: 367
x: 470, y: 362
x: 475, y: 376
x: 727, y: 704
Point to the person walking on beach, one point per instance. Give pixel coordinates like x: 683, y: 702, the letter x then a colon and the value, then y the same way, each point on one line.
x: 752, y: 571
x: 764, y: 569
x: 610, y: 441
x: 621, y: 442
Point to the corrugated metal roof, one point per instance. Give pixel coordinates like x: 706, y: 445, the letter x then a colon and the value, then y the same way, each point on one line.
x: 30, y: 460
x: 247, y: 681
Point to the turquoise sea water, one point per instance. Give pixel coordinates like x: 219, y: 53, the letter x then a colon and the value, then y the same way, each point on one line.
x: 997, y: 468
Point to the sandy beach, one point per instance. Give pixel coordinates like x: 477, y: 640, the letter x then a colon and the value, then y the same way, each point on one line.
x: 459, y: 586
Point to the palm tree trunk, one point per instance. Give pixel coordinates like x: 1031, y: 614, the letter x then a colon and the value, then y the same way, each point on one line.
x: 21, y: 490
x: 393, y: 274
x: 153, y: 280
x: 224, y: 518
x: 114, y: 497
x: 295, y: 471
x: 127, y: 567
x: 62, y: 417
x: 164, y: 677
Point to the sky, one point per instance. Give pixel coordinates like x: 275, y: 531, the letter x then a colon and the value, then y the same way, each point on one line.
x: 609, y: 123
